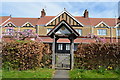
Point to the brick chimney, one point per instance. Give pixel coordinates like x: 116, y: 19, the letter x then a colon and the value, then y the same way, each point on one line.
x: 43, y: 13
x: 86, y: 14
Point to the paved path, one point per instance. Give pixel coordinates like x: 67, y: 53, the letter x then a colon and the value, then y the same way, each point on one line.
x: 61, y: 75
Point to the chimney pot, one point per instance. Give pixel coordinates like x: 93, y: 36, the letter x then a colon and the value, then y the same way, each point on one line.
x: 43, y: 14
x: 86, y: 14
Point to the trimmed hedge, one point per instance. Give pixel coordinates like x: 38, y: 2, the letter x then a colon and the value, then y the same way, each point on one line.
x: 23, y: 55
x: 95, y: 55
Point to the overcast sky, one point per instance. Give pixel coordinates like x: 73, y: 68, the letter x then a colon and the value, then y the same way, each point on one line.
x: 32, y: 9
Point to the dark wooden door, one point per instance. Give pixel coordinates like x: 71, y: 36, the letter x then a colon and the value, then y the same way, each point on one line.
x: 62, y: 61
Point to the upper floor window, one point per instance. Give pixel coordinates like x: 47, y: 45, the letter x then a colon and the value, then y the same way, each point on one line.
x: 25, y: 30
x: 118, y: 32
x: 79, y: 31
x: 48, y: 30
x: 9, y: 30
x: 102, y: 32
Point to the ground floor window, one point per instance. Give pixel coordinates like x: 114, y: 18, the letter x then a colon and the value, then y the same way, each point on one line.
x: 60, y: 46
x: 67, y: 46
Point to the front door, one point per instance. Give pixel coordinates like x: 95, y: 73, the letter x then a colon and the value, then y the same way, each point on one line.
x: 62, y: 61
x: 62, y: 56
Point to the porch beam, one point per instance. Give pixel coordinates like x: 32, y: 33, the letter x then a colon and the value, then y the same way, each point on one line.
x: 72, y: 52
x: 53, y: 53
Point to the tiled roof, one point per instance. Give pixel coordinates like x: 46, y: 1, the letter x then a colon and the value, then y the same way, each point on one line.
x: 109, y: 21
x: 94, y: 21
x: 21, y: 21
x: 84, y: 21
x: 3, y: 19
x: 42, y: 21
x: 78, y: 40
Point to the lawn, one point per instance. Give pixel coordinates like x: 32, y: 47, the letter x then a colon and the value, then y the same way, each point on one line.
x: 79, y: 73
x: 38, y: 73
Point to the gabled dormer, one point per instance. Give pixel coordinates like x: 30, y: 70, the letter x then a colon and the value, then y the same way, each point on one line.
x: 117, y: 26
x: 64, y: 15
x: 27, y: 24
x: 102, y: 25
x: 9, y: 24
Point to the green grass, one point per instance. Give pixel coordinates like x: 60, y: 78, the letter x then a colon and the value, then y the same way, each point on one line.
x: 0, y: 74
x: 38, y: 73
x: 78, y: 73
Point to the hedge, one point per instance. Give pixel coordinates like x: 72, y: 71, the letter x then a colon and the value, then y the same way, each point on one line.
x: 23, y: 55
x: 96, y: 55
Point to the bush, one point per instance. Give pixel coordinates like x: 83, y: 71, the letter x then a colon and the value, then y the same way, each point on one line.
x: 91, y: 56
x: 22, y: 55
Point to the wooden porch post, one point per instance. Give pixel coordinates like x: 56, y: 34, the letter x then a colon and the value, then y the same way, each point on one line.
x: 72, y: 52
x: 53, y: 54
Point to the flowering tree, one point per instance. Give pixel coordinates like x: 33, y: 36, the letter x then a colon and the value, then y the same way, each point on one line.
x: 21, y: 35
x: 98, y: 39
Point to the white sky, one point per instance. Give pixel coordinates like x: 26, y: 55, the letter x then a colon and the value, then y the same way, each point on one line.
x: 32, y: 8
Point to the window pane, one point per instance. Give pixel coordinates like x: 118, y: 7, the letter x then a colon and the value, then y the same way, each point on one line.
x: 102, y: 32
x: 25, y: 30
x: 67, y: 46
x: 79, y: 31
x: 60, y: 46
x: 118, y: 32
x: 48, y: 30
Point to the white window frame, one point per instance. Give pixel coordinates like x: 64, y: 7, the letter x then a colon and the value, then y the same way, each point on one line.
x: 8, y: 30
x: 102, y: 32
x: 79, y: 31
x: 49, y: 29
x: 60, y: 46
x: 67, y: 46
x: 27, y: 23
x: 118, y: 32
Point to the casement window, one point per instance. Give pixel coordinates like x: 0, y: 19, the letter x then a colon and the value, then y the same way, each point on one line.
x: 118, y: 32
x: 79, y: 31
x: 60, y: 46
x: 102, y: 32
x: 9, y: 30
x: 67, y: 46
x: 48, y: 30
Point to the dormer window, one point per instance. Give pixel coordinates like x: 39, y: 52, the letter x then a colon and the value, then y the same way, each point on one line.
x: 27, y: 25
x: 10, y: 25
x: 102, y: 25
